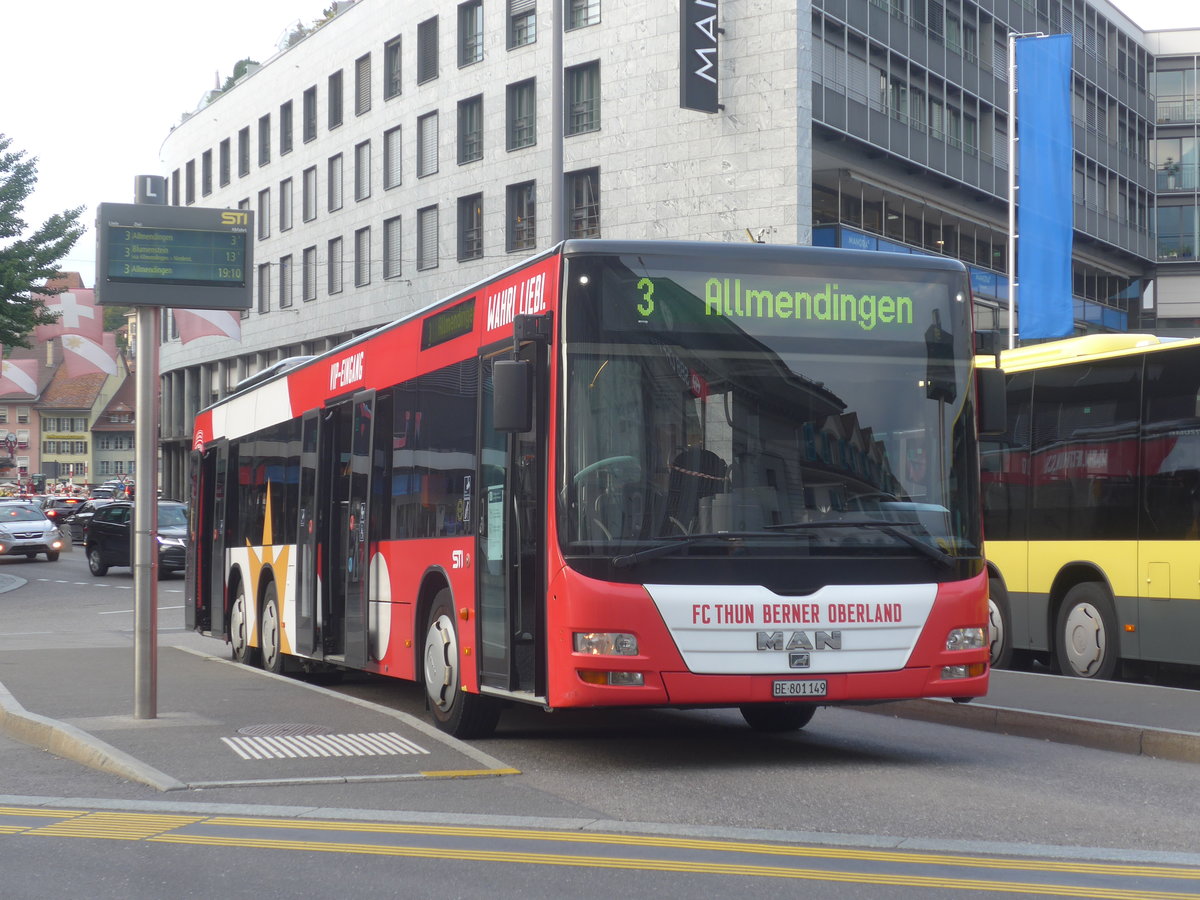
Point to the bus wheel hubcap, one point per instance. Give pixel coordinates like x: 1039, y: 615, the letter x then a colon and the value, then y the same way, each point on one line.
x: 1085, y: 639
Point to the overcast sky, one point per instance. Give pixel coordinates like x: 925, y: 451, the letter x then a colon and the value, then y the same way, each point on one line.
x: 92, y: 89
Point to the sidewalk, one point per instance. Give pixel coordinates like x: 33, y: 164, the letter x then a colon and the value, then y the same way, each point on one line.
x: 245, y: 726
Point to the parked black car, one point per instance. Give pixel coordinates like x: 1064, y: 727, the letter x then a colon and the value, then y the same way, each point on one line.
x: 78, y: 522
x: 25, y: 531
x: 109, y: 537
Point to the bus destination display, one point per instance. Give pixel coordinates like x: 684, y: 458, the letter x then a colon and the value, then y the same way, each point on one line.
x: 174, y: 256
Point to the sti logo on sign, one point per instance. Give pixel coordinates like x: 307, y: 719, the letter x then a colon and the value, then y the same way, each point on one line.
x: 235, y: 218
x: 698, y: 55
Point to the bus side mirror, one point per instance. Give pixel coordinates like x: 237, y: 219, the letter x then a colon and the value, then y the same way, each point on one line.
x: 512, y: 407
x: 993, y: 401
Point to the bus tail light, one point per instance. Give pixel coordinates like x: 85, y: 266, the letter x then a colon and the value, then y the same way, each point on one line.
x: 606, y: 644
x: 966, y: 639
x: 612, y: 679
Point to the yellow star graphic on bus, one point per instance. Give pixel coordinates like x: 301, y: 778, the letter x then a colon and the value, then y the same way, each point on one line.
x: 276, y: 558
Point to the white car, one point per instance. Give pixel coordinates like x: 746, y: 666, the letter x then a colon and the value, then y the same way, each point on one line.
x: 25, y: 531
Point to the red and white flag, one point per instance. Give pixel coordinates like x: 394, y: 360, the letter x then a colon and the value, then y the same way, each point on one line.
x: 78, y: 314
x: 19, y: 377
x: 198, y: 323
x: 84, y: 356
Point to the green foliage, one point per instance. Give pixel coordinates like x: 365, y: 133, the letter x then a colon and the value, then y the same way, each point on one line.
x: 239, y: 69
x: 28, y: 257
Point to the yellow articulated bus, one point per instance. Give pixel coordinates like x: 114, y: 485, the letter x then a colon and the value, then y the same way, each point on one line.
x: 1092, y: 504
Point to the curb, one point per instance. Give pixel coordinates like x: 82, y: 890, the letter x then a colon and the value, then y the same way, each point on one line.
x: 1097, y: 734
x: 72, y: 743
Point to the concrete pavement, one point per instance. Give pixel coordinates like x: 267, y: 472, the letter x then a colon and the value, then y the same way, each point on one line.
x: 243, y: 726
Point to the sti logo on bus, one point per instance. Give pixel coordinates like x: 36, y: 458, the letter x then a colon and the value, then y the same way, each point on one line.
x: 235, y: 218
x: 346, y: 372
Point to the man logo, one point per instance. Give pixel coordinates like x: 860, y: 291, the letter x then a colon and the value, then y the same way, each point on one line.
x: 235, y: 218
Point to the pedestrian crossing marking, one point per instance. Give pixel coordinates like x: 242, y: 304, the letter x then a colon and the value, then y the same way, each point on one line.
x: 313, y: 746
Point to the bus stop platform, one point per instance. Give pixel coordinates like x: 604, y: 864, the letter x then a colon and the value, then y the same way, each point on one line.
x: 218, y: 723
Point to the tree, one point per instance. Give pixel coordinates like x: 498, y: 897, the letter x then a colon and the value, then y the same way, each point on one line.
x: 28, y: 258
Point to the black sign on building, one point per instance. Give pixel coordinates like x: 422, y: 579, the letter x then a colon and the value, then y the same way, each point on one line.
x: 698, y: 55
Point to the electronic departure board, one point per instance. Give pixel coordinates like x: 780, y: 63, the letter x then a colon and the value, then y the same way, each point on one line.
x: 181, y: 257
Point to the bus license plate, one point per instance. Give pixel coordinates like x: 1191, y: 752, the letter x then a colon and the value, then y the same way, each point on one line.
x: 810, y: 688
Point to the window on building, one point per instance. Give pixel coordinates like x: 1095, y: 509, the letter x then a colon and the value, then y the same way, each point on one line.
x: 335, y: 182
x: 470, y: 32
x: 391, y: 158
x: 223, y: 163
x: 427, y: 236
x: 206, y: 184
x: 583, y: 203
x: 335, y: 99
x: 264, y: 287
x: 310, y: 114
x: 521, y: 233
x: 3, y: 415
x: 22, y: 415
x: 522, y: 23
x: 264, y: 139
x: 391, y: 68
x: 581, y: 13
x: 310, y: 194
x: 427, y: 144
x: 244, y: 152
x: 391, y: 247
x: 362, y: 170
x: 470, y: 227
x: 285, y: 128
x: 522, y: 114
x: 264, y: 213
x: 308, y: 275
x: 335, y: 262
x: 189, y: 180
x: 470, y: 129
x: 362, y: 84
x: 427, y: 50
x: 362, y: 257
x: 583, y: 98
x: 285, y: 281
x: 285, y: 204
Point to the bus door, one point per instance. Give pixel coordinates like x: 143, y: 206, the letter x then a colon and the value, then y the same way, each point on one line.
x: 357, y: 533
x: 511, y: 531
x: 197, y: 615
x: 210, y: 579
x: 307, y: 539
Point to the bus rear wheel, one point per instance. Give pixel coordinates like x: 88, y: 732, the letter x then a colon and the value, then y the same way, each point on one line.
x: 454, y: 710
x: 777, y: 717
x: 239, y: 627
x: 270, y: 632
x: 1086, y: 644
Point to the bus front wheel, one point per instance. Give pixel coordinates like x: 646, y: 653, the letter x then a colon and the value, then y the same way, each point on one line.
x: 1086, y: 644
x: 1000, y: 638
x: 777, y: 717
x: 454, y: 710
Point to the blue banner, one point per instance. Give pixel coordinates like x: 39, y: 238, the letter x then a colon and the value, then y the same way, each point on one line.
x: 1045, y: 169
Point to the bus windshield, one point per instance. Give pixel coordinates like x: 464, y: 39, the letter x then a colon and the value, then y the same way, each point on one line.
x: 788, y: 411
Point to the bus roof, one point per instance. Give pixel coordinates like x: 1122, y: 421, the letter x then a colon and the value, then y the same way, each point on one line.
x: 1089, y: 346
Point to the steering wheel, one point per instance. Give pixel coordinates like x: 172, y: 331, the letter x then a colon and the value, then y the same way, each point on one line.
x: 611, y: 462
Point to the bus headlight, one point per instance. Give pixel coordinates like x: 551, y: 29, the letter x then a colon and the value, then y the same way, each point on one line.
x: 596, y: 643
x: 612, y: 679
x: 966, y: 639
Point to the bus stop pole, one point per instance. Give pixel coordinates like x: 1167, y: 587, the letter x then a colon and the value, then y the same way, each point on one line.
x: 145, y: 512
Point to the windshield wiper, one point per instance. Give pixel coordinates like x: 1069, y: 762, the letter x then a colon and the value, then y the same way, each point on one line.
x: 632, y: 559
x: 935, y: 553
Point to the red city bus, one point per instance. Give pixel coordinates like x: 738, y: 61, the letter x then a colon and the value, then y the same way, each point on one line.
x: 618, y: 474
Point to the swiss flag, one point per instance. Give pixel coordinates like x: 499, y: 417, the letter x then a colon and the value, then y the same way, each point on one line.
x: 198, y: 323
x: 84, y: 356
x: 78, y: 314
